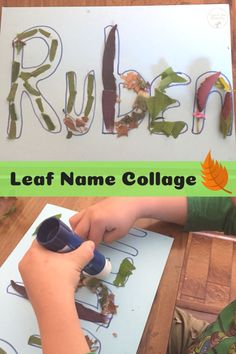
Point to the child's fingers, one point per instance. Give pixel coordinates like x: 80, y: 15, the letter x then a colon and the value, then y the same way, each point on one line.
x: 82, y: 228
x: 96, y: 232
x: 75, y: 219
x: 113, y: 235
x: 84, y: 254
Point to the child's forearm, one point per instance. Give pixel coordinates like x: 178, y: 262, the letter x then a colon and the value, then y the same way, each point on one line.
x: 171, y: 209
x: 60, y: 327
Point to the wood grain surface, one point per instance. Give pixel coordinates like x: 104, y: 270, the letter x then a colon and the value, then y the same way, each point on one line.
x: 208, y: 278
x: 156, y: 333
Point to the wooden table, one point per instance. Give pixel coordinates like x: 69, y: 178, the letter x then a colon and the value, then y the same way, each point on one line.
x: 156, y: 333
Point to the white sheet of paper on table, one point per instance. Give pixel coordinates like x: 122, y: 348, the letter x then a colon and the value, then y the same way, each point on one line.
x: 193, y: 39
x: 148, y: 251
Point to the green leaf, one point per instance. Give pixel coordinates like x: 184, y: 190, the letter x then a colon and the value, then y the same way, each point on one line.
x: 48, y: 121
x: 27, y: 34
x: 15, y: 71
x: 35, y: 341
x: 125, y: 270
x: 90, y: 84
x: 12, y: 93
x: 88, y: 106
x: 72, y: 92
x: 168, y: 128
x: 39, y: 104
x: 90, y: 98
x: 12, y: 131
x: 2, y: 351
x: 12, y: 111
x: 44, y: 33
x: 25, y: 75
x: 158, y: 103
x: 225, y: 125
x: 58, y: 216
x: 140, y: 103
x: 40, y: 70
x: 168, y: 77
x: 53, y: 49
x: 30, y: 89
x: 18, y: 45
x: 71, y: 101
x: 177, y: 129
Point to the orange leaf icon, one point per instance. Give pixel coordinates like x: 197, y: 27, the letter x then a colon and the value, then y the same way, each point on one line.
x: 215, y: 176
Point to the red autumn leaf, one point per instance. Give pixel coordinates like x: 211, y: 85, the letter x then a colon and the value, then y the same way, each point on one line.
x: 69, y: 123
x: 204, y: 90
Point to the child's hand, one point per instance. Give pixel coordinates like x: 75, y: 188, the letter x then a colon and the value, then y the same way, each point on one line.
x: 50, y: 279
x: 46, y: 273
x: 107, y: 220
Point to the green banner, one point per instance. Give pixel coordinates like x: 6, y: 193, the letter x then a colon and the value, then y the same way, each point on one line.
x: 116, y: 178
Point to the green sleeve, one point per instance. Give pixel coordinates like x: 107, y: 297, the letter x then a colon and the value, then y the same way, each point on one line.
x: 212, y: 214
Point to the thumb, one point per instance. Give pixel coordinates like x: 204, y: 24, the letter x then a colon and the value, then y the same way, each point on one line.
x: 84, y: 253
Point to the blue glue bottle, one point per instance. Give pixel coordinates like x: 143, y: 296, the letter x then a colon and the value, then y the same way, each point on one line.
x: 56, y: 236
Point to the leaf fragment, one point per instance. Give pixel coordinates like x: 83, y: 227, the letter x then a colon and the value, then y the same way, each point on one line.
x: 108, y: 78
x: 90, y: 97
x: 12, y: 93
x: 133, y: 81
x: 79, y: 122
x: 69, y: 135
x: 140, y: 103
x: 35, y: 341
x: 40, y: 70
x: 69, y: 123
x: 53, y: 49
x: 12, y: 130
x: 204, y: 90
x: 92, y: 344
x: 18, y: 45
x: 44, y: 33
x: 226, y: 114
x: 108, y: 108
x: 158, y: 103
x: 125, y: 270
x: 12, y: 111
x: 39, y: 104
x: 48, y: 121
x: 30, y: 89
x: 19, y: 289
x: 222, y: 84
x: 168, y: 77
x: 122, y: 130
x: 168, y: 128
x: 15, y: 71
x: 72, y: 92
x: 26, y: 34
x: 105, y: 297
x: 2, y: 351
x: 25, y: 75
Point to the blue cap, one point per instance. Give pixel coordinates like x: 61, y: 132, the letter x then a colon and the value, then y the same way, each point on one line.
x: 56, y: 236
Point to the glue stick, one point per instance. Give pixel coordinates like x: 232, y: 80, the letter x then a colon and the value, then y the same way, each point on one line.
x: 56, y: 236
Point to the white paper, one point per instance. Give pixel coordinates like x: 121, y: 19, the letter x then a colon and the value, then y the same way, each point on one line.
x: 192, y: 39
